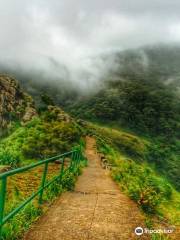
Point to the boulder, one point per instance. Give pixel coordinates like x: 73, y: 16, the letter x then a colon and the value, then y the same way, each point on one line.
x: 14, y: 102
x: 29, y: 114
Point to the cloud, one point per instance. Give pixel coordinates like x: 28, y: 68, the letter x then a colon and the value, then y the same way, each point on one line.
x: 62, y: 38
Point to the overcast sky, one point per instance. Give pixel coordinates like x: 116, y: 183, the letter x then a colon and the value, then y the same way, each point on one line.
x: 37, y: 32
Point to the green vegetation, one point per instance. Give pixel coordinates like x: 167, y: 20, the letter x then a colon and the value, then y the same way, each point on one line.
x: 128, y: 143
x: 142, y: 185
x: 164, y: 157
x: 152, y: 192
x: 42, y: 137
x: 16, y: 226
x: 146, y: 107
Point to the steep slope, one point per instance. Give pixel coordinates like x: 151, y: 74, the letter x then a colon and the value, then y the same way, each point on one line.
x: 14, y: 103
x: 156, y: 62
x: 147, y: 107
x: 158, y: 153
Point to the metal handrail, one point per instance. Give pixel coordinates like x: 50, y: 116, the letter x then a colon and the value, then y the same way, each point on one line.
x: 76, y: 157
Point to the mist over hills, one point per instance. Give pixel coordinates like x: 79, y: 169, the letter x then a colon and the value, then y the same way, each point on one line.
x: 160, y: 62
x: 149, y: 63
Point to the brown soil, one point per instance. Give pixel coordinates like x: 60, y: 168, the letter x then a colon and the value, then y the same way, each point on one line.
x: 28, y: 182
x: 96, y: 210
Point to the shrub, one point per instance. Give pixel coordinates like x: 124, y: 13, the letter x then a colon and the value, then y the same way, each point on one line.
x: 14, y: 228
x: 40, y: 138
x: 68, y: 180
x: 7, y: 158
x: 142, y: 185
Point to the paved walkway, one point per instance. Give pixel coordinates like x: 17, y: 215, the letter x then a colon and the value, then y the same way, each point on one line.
x: 96, y: 210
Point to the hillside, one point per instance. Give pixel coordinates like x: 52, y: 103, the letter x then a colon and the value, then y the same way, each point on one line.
x: 28, y: 134
x: 126, y: 155
x: 148, y: 110
x: 148, y: 107
x: 15, y: 105
x: 151, y: 63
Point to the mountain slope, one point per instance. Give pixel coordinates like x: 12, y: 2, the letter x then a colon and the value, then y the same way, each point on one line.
x: 29, y: 135
x: 147, y: 107
x: 14, y: 103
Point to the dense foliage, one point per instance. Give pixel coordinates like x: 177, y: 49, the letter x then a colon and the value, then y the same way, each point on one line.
x: 164, y: 156
x: 142, y: 184
x: 142, y: 106
x: 44, y: 136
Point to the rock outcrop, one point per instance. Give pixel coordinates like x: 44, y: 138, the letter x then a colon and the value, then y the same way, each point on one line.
x: 60, y: 114
x: 14, y: 103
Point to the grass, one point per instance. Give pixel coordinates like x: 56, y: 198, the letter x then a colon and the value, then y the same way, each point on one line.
x: 125, y: 142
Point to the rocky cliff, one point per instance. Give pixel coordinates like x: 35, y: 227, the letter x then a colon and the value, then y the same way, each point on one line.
x: 14, y: 103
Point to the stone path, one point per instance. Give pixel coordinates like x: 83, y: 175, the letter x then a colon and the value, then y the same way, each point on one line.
x: 96, y: 210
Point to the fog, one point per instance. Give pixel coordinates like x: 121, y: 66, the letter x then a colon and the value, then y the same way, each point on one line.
x: 63, y: 41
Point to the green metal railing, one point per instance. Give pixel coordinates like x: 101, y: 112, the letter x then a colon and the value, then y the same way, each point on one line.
x: 75, y: 157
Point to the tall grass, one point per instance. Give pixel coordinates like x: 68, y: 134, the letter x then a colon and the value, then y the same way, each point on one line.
x: 151, y: 191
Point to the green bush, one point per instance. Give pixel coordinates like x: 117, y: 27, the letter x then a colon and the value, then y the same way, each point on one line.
x: 53, y: 191
x: 9, y: 158
x: 16, y: 226
x: 42, y: 137
x: 142, y: 185
x: 68, y: 181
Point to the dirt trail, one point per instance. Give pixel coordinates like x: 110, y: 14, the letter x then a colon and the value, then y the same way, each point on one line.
x: 96, y: 210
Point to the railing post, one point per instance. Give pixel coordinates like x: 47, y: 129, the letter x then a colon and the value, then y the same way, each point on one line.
x: 79, y: 156
x: 43, y: 183
x: 62, y: 170
x: 77, y: 161
x: 72, y: 161
x: 80, y: 152
x: 2, y: 202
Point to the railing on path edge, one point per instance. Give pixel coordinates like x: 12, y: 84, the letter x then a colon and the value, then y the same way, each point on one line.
x: 75, y: 155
